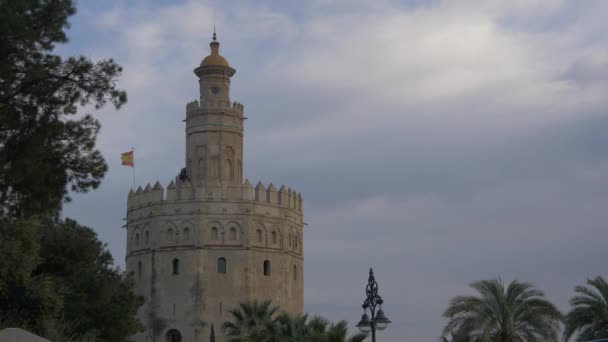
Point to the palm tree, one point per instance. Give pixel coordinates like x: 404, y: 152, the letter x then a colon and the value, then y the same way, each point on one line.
x: 251, y: 322
x: 259, y: 322
x: 589, y: 313
x: 515, y: 314
x: 317, y: 329
x: 338, y: 332
x: 455, y: 337
x: 288, y: 328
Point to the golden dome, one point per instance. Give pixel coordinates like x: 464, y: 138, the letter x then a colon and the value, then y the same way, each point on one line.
x: 215, y: 58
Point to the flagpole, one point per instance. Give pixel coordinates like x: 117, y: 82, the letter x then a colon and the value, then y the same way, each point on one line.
x: 133, y: 154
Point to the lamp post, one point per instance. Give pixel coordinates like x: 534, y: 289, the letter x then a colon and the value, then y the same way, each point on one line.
x: 378, y: 320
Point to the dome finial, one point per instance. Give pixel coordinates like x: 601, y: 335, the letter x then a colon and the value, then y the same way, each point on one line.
x: 214, y: 58
x: 215, y: 45
x: 214, y: 36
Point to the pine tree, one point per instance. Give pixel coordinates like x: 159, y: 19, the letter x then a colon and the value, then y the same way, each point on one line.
x: 44, y: 148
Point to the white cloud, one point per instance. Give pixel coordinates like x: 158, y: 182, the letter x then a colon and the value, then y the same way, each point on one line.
x: 110, y: 18
x: 451, y: 55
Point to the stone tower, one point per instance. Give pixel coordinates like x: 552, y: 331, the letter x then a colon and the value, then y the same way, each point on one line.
x: 209, y: 240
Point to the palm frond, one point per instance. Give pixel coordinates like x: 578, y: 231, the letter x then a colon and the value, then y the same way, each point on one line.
x: 514, y: 312
x: 589, y: 311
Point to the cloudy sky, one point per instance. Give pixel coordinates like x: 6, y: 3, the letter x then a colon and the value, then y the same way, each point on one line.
x: 440, y: 142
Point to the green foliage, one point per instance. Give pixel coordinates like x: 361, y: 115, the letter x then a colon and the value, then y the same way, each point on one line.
x: 513, y: 314
x: 58, y: 280
x: 455, y: 337
x: 319, y: 329
x: 290, y: 328
x: 589, y: 313
x: 261, y: 322
x: 44, y: 149
x: 250, y: 321
x: 73, y: 254
x: 26, y: 299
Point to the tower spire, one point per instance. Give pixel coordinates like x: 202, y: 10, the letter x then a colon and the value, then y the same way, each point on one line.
x: 214, y: 36
x: 215, y: 45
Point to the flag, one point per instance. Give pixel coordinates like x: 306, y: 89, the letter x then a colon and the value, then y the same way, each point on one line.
x: 127, y: 158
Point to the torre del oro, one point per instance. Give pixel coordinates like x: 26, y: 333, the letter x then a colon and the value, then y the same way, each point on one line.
x: 209, y: 240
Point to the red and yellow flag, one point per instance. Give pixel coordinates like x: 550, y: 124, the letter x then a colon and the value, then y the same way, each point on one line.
x: 127, y: 158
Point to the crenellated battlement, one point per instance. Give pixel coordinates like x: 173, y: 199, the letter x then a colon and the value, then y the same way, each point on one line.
x: 196, y: 108
x: 192, y: 107
x: 179, y: 190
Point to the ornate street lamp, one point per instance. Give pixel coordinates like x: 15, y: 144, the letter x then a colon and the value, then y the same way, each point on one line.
x: 378, y: 320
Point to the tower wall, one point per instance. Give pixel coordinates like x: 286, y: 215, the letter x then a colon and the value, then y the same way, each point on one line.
x: 180, y: 223
x: 214, y: 142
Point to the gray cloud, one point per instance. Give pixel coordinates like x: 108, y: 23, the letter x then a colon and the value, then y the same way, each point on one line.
x: 589, y: 69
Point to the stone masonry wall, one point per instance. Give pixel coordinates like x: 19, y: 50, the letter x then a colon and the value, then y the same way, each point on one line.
x: 197, y: 226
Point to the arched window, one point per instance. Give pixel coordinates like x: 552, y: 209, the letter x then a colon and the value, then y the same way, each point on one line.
x: 147, y: 237
x: 289, y: 239
x: 266, y: 267
x: 259, y: 234
x: 296, y: 242
x: 228, y: 172
x: 215, y: 170
x: 186, y: 233
x: 170, y: 234
x: 173, y: 336
x: 221, y: 265
x: 139, y: 269
x: 136, y: 239
x: 274, y: 237
x: 232, y: 233
x: 176, y: 266
x: 214, y: 233
x: 295, y: 272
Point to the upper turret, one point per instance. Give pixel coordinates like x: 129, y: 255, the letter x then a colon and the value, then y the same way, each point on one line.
x: 214, y: 127
x: 214, y: 75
